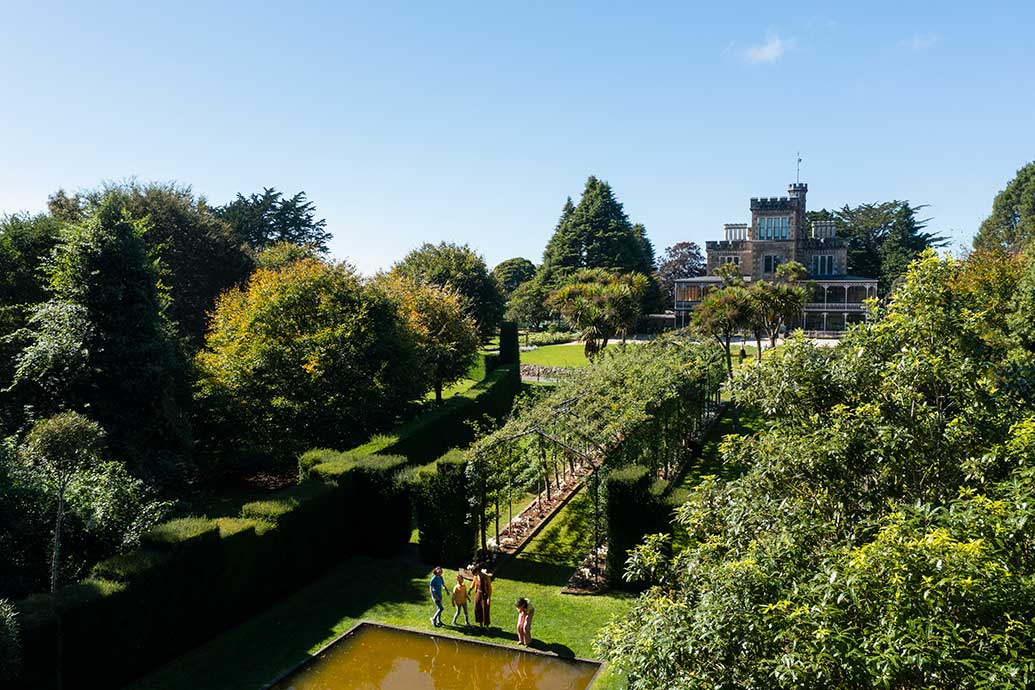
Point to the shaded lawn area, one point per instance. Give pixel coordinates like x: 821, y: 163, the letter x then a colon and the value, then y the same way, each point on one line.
x: 394, y: 591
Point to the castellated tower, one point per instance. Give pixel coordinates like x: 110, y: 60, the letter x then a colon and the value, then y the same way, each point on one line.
x: 797, y: 191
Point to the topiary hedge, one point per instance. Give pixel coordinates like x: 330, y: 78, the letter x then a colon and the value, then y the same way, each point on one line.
x: 636, y: 506
x: 439, y: 493
x: 445, y: 427
x: 509, y: 346
x: 193, y: 577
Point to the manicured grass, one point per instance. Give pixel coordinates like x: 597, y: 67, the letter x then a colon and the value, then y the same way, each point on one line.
x: 556, y: 356
x: 394, y: 591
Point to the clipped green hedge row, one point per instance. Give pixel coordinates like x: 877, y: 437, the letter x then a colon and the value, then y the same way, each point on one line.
x: 445, y: 427
x: 439, y: 492
x: 484, y: 364
x: 637, y: 505
x: 194, y: 577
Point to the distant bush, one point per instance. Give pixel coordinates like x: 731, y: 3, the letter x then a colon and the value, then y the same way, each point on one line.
x: 548, y: 338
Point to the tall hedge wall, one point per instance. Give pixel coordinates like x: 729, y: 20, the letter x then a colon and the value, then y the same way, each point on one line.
x: 509, y: 345
x: 445, y: 427
x: 193, y: 577
x: 439, y: 492
x: 636, y: 506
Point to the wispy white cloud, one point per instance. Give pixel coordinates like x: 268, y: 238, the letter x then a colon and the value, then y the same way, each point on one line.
x: 771, y: 49
x: 920, y: 42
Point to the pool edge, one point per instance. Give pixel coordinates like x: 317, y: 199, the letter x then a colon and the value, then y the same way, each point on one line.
x: 295, y: 667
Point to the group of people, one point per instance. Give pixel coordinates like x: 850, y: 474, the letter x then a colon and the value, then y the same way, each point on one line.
x: 480, y: 592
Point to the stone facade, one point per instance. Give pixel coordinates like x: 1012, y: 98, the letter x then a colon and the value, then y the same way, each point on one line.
x: 778, y: 233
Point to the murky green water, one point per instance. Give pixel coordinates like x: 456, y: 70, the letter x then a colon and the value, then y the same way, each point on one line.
x: 376, y: 658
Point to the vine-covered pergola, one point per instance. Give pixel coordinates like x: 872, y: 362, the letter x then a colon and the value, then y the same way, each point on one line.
x: 637, y: 404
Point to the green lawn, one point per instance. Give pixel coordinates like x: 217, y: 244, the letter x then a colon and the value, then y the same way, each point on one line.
x: 394, y: 591
x: 556, y: 356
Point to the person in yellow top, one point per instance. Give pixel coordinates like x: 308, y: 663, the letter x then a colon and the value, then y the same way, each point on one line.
x: 460, y: 599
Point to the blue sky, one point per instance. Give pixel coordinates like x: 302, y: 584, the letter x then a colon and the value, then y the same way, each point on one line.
x: 472, y: 122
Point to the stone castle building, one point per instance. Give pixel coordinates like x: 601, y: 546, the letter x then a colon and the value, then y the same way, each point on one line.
x: 778, y: 233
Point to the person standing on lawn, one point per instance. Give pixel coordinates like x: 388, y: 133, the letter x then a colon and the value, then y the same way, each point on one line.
x: 460, y: 599
x: 482, y: 589
x: 524, y: 624
x: 436, y: 585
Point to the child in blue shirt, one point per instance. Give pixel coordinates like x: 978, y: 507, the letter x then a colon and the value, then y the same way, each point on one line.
x: 436, y: 585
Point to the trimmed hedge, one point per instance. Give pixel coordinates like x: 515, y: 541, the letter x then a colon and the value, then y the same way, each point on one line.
x: 484, y: 364
x: 636, y: 506
x: 439, y: 492
x: 193, y: 577
x: 509, y: 347
x: 445, y: 427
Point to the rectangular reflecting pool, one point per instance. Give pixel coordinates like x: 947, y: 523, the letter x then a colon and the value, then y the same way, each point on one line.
x: 378, y: 657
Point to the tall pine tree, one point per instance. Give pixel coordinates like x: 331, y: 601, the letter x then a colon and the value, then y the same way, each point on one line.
x: 598, y: 234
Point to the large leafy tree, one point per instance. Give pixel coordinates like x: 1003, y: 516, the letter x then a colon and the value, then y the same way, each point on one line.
x: 527, y: 304
x: 303, y: 356
x: 511, y: 273
x: 103, y: 343
x: 260, y: 220
x: 598, y: 234
x: 201, y: 256
x: 882, y: 238
x: 880, y: 535
x: 681, y: 260
x: 446, y: 336
x: 1011, y: 225
x: 458, y: 267
x: 26, y: 241
x: 600, y: 304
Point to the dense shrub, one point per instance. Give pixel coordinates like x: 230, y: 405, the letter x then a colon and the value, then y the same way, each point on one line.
x: 446, y: 533
x: 548, y: 338
x: 10, y: 642
x: 882, y: 533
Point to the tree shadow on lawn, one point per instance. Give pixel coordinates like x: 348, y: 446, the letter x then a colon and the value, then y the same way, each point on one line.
x: 537, y: 572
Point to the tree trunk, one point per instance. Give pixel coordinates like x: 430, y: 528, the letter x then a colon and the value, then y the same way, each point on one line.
x: 758, y: 343
x: 438, y: 391
x: 55, y: 557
